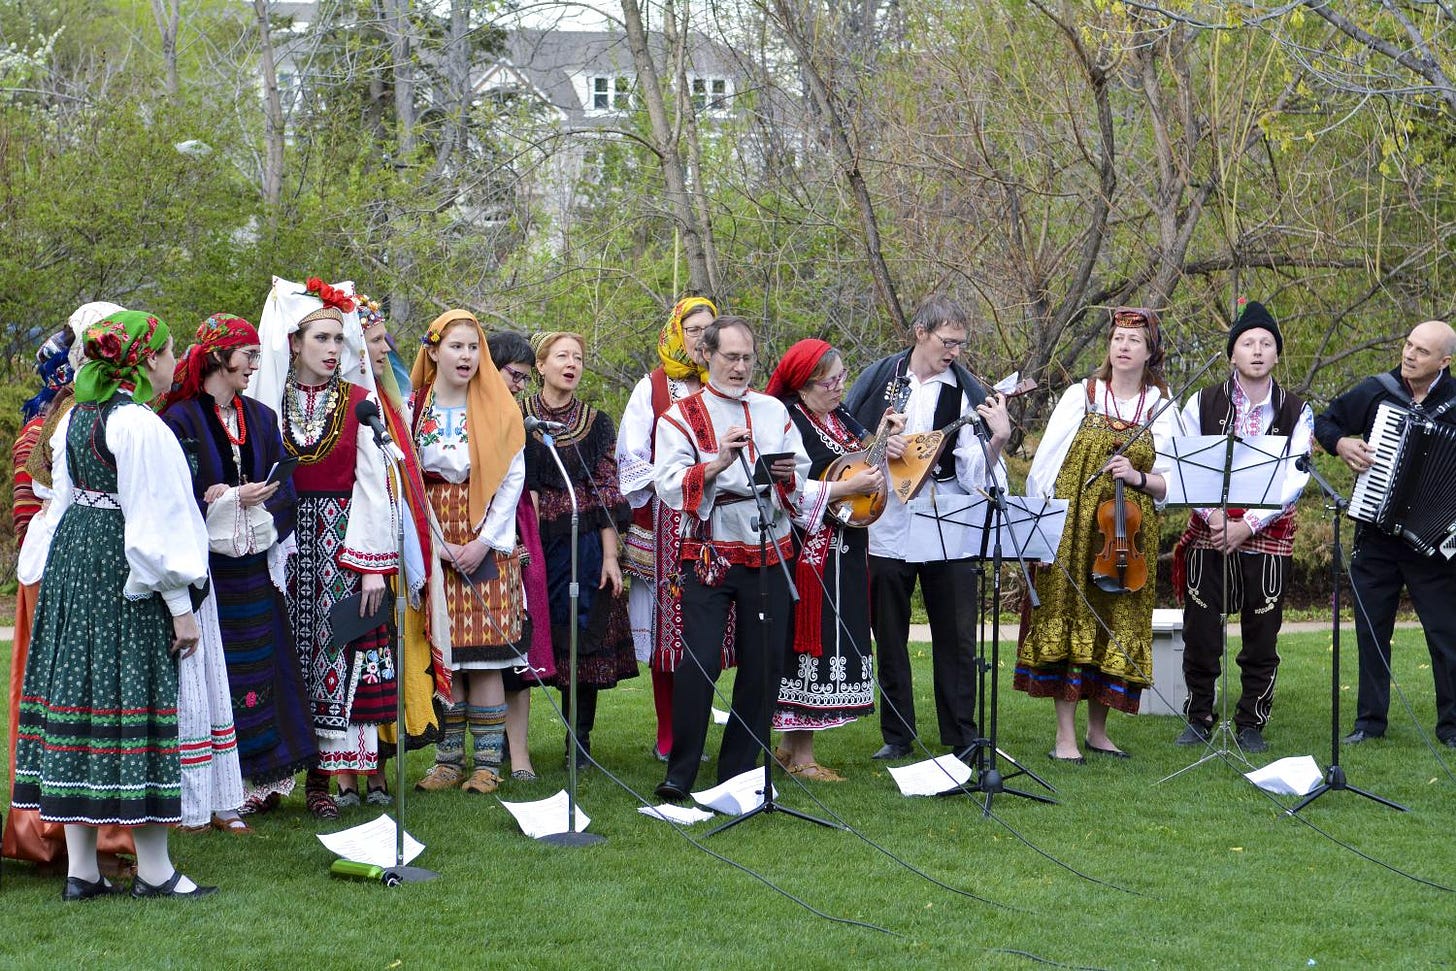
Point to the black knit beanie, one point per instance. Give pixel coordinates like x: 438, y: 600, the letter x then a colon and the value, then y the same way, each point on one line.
x: 1255, y: 315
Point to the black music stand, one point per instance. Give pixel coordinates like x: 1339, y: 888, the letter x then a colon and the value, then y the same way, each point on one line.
x: 1335, y: 774
x: 1224, y: 471
x: 965, y: 526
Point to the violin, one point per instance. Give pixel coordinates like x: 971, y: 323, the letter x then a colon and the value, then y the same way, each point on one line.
x: 1120, y: 567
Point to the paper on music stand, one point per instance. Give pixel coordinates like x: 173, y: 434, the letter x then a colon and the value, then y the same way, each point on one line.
x: 931, y: 777
x: 736, y: 796
x: 1255, y: 472
x: 372, y: 842
x: 949, y: 526
x: 720, y: 717
x: 545, y: 817
x: 1007, y: 384
x: 681, y: 815
x: 1297, y: 775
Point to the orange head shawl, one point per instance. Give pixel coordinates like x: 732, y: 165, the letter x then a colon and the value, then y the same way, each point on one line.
x: 492, y: 417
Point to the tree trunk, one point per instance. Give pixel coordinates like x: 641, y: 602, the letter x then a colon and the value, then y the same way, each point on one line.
x: 273, y: 121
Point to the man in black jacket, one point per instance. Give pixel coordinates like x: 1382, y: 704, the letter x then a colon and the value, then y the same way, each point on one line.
x: 940, y: 391
x: 1383, y: 564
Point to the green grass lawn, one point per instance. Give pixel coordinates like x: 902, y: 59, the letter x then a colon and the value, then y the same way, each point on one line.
x: 1202, y: 871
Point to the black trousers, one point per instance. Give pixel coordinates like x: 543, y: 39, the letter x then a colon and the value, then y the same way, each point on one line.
x: 951, y: 594
x: 760, y: 651
x: 1381, y: 566
x: 1255, y: 585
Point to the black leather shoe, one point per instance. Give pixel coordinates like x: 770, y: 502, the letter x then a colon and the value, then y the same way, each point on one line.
x: 1194, y: 734
x: 1251, y: 740
x: 140, y: 888
x: 1449, y: 741
x: 671, y: 792
x: 78, y: 889
x: 892, y: 751
x: 1357, y: 736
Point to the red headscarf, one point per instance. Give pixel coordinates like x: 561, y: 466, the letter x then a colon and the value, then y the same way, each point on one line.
x: 220, y: 332
x: 797, y: 364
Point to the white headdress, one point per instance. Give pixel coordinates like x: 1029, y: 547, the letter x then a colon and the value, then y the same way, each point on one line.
x: 287, y: 305
x: 86, y: 315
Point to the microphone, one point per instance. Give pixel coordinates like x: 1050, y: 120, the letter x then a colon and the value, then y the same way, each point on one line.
x: 1302, y: 463
x: 368, y: 414
x: 541, y: 425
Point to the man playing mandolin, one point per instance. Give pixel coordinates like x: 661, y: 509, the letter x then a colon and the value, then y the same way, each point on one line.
x: 940, y: 391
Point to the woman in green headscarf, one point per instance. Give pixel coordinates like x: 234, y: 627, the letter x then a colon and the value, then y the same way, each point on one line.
x: 98, y: 738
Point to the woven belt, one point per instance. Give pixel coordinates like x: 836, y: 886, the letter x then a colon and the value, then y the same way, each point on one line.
x: 96, y: 500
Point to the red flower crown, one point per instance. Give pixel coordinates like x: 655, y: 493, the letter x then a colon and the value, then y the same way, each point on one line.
x: 332, y: 296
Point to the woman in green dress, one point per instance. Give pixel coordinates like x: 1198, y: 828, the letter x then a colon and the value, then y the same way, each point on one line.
x: 98, y: 741
x: 1084, y: 643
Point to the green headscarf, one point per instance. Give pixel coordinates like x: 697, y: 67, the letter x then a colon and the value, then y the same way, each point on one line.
x: 118, y: 348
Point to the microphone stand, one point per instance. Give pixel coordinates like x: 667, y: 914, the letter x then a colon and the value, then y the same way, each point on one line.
x: 763, y: 525
x: 571, y: 837
x: 1335, y: 775
x: 399, y: 873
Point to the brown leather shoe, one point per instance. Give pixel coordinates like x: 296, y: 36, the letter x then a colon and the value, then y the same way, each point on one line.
x: 440, y: 777
x: 482, y: 782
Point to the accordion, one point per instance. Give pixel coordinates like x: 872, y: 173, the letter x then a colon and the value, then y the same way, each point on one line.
x: 1409, y: 490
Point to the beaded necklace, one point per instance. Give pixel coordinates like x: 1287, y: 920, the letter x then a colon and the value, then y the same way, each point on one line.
x: 307, y: 409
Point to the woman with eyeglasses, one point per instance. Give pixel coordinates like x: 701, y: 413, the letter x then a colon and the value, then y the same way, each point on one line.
x: 1084, y: 642
x: 827, y: 680
x: 236, y: 442
x: 586, y: 445
x: 514, y: 358
x: 654, y: 538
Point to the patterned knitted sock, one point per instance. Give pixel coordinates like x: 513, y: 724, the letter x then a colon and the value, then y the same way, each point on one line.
x: 450, y: 749
x: 488, y: 729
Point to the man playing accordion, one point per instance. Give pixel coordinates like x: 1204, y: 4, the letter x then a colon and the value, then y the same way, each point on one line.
x: 1383, y: 564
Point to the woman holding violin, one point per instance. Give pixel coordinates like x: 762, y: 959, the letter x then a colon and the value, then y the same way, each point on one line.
x: 1091, y: 638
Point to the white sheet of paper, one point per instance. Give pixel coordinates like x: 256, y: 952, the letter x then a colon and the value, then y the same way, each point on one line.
x: 950, y: 526
x: 931, y: 777
x: 736, y: 796
x: 1257, y: 470
x: 371, y: 842
x: 546, y: 816
x: 1297, y: 775
x: 682, y: 815
x: 720, y: 717
x: 1007, y: 384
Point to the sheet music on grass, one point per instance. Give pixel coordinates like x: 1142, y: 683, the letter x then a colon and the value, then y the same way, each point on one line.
x: 546, y: 817
x: 736, y: 796
x: 931, y: 777
x: 372, y: 842
x: 1214, y: 470
x: 950, y: 526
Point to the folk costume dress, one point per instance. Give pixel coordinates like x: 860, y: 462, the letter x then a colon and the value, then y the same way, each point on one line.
x: 605, y: 653
x: 234, y: 443
x: 473, y: 465
x: 827, y: 679
x: 653, y: 541
x: 1067, y: 652
x: 345, y: 525
x: 98, y: 738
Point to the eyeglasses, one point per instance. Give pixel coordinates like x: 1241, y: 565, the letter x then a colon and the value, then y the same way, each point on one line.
x: 255, y: 357
x: 832, y: 383
x: 517, y: 377
x: 693, y: 331
x: 952, y: 345
x: 737, y: 358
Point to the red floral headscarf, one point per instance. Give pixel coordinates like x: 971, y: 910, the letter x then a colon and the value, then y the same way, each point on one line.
x: 220, y: 332
x: 797, y: 364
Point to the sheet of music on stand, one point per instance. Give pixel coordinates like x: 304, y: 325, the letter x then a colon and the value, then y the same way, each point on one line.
x: 949, y: 526
x: 1248, y: 472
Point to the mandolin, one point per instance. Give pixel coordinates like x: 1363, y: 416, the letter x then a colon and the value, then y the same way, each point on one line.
x: 909, y: 472
x: 863, y: 510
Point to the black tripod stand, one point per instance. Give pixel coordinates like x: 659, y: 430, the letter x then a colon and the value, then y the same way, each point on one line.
x: 1335, y: 775
x: 764, y: 524
x: 983, y: 751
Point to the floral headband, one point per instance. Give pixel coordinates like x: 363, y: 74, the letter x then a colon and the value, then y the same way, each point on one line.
x: 332, y: 296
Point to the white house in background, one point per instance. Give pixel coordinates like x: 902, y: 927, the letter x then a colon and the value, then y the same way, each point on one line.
x: 588, y: 82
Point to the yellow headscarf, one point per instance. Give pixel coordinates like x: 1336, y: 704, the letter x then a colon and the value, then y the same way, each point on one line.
x: 672, y: 348
x: 492, y: 417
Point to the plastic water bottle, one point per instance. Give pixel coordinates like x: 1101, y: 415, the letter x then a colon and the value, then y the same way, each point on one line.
x: 351, y: 870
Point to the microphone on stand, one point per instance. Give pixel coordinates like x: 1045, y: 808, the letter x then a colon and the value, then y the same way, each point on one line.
x: 541, y: 425
x: 368, y: 414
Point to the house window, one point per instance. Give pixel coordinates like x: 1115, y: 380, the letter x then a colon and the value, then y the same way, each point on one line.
x: 611, y: 93
x: 710, y: 94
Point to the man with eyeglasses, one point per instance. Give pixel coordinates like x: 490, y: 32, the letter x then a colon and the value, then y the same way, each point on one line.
x: 722, y: 565
x: 941, y: 390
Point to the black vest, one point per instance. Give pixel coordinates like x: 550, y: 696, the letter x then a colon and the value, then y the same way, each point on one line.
x: 1216, y: 409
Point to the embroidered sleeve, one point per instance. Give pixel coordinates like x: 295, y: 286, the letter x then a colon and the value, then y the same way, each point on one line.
x: 498, y: 530
x: 634, y: 446
x: 370, y: 537
x: 679, y: 475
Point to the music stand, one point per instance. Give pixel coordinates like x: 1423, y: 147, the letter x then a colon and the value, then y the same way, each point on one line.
x: 1223, y: 471
x: 966, y: 525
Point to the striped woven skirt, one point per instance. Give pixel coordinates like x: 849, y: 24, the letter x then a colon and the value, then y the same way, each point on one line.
x: 485, y: 632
